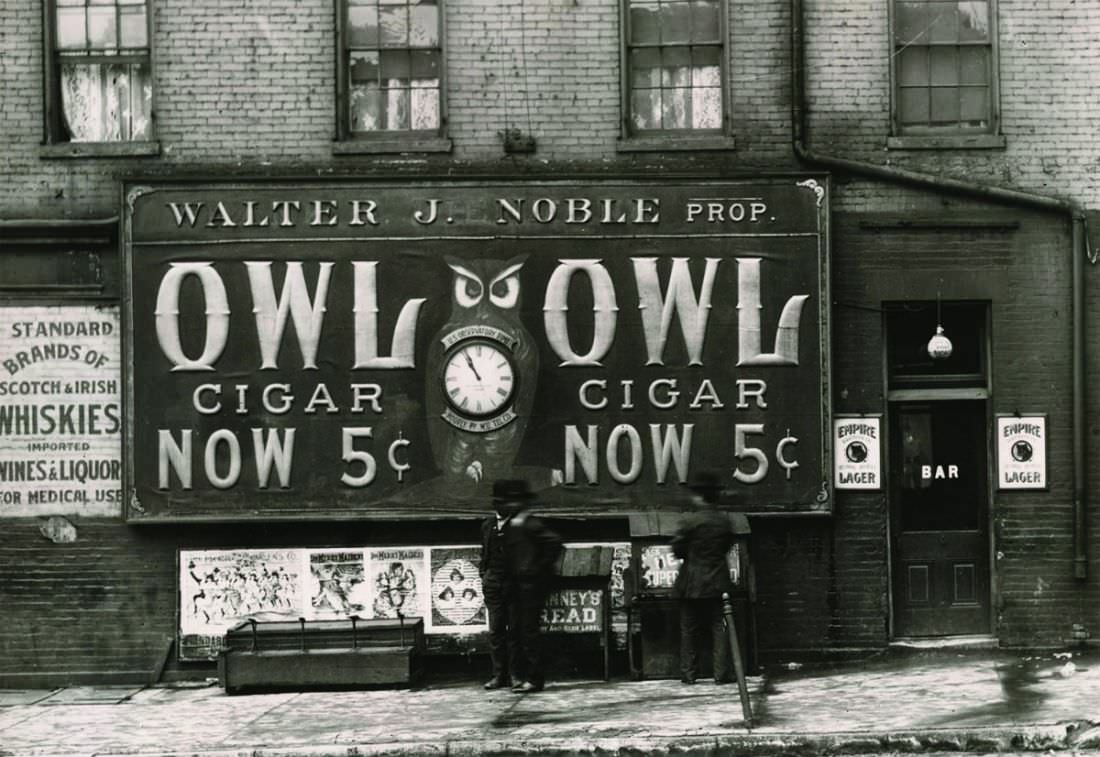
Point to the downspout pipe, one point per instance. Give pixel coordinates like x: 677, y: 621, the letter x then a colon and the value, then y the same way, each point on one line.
x: 1080, y: 253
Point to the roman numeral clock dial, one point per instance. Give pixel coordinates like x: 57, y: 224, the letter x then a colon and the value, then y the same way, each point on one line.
x: 479, y: 383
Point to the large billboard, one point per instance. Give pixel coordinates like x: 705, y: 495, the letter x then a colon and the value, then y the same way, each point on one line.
x: 378, y: 349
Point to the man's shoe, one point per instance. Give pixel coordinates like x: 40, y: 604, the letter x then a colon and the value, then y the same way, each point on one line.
x: 495, y: 683
x: 687, y: 681
x: 722, y: 681
x: 526, y: 687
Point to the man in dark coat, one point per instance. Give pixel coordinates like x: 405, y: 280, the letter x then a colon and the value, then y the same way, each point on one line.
x: 702, y: 542
x: 518, y: 557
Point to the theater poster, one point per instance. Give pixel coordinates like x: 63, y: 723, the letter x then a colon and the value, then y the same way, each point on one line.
x: 379, y: 349
x: 221, y: 588
x: 457, y: 598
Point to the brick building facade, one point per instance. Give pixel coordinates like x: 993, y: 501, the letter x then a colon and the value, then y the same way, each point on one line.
x: 926, y: 220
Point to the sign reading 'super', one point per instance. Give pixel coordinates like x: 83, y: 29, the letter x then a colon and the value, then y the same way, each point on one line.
x: 333, y: 349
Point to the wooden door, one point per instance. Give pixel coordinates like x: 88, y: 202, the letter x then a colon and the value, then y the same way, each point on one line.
x: 939, y: 523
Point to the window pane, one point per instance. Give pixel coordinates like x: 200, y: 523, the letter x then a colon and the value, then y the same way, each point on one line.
x: 364, y: 67
x: 913, y: 66
x: 366, y: 107
x: 944, y: 26
x: 913, y: 105
x: 675, y: 107
x: 394, y: 21
x: 706, y: 22
x: 425, y: 68
x: 363, y: 26
x: 677, y: 67
x: 396, y: 115
x: 425, y: 108
x: 395, y: 68
x: 70, y: 28
x: 945, y: 65
x: 646, y: 108
x: 645, y: 68
x: 945, y: 105
x: 424, y: 25
x: 675, y: 22
x: 102, y: 31
x: 706, y: 108
x: 913, y: 20
x: 706, y: 70
x: 644, y: 27
x: 975, y: 106
x: 974, y: 21
x: 973, y: 65
x: 134, y: 29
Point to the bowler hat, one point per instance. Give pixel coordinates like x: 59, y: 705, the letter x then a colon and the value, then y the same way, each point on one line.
x: 511, y: 490
x: 705, y: 482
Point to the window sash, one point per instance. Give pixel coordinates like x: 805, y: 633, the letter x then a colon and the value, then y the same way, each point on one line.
x: 374, y: 101
x: 99, y: 71
x: 944, y: 75
x: 688, y: 97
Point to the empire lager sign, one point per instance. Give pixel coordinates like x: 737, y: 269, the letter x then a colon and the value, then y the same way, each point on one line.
x: 380, y: 349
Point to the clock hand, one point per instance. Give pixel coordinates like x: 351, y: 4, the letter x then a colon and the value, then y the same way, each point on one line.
x: 470, y: 363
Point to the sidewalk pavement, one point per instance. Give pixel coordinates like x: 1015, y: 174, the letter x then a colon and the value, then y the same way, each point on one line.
x: 941, y: 701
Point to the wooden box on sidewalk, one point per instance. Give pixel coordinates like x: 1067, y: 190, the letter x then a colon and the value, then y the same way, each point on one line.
x: 325, y: 653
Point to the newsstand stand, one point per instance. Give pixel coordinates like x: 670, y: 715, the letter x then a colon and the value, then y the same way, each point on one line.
x: 653, y: 621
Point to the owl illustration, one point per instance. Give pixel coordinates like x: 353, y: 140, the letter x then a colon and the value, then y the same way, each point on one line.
x: 482, y: 367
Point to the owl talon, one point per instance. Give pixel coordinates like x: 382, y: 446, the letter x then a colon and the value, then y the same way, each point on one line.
x: 474, y: 471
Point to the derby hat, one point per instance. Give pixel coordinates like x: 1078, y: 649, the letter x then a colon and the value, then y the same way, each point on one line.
x: 512, y: 490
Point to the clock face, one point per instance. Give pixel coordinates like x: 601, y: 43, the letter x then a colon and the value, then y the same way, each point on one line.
x: 479, y: 378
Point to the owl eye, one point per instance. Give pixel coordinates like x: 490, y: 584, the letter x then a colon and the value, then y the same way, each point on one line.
x: 505, y: 292
x: 468, y: 287
x: 504, y: 288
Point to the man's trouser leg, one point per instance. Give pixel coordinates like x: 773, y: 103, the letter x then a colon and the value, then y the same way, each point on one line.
x: 500, y: 647
x: 529, y: 604
x: 689, y: 634
x: 723, y: 666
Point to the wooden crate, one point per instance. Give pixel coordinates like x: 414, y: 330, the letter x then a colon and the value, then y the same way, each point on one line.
x: 317, y: 654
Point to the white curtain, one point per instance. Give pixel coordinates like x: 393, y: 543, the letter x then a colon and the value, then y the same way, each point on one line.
x: 102, y: 104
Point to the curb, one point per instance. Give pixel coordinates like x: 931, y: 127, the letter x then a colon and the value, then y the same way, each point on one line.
x: 984, y: 740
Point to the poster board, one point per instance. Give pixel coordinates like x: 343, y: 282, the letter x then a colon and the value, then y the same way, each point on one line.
x: 1022, y: 452
x: 857, y: 450
x: 219, y: 588
x: 60, y: 411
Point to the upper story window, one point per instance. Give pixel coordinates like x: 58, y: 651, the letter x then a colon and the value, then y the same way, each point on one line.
x: 391, y: 69
x: 674, y: 67
x: 945, y: 67
x: 99, y: 73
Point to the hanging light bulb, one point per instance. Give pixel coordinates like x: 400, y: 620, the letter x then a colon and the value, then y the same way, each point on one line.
x: 939, y: 346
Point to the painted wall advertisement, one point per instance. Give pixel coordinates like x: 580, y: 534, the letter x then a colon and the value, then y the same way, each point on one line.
x: 601, y: 340
x: 60, y: 411
x: 857, y: 447
x: 1022, y: 452
x: 221, y: 588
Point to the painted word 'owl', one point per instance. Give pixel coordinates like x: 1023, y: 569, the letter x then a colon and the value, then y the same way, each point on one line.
x: 482, y: 367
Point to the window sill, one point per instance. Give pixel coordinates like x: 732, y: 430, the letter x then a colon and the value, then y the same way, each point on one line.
x: 946, y: 142
x: 670, y: 143
x: 63, y: 150
x: 374, y: 146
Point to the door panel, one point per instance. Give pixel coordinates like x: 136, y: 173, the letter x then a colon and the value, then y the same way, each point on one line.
x: 939, y: 500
